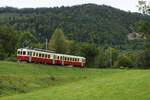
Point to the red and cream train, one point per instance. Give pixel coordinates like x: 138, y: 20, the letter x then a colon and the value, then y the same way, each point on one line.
x: 47, y: 57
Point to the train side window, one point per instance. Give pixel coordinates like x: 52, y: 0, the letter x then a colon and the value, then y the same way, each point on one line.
x: 58, y: 57
x: 33, y: 53
x: 45, y: 55
x: 28, y: 53
x: 68, y: 58
x: 36, y: 54
x: 24, y: 53
x: 39, y: 54
x: 49, y: 56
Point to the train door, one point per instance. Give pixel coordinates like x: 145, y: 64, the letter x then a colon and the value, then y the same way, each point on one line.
x: 54, y: 57
x: 30, y: 56
x: 82, y: 62
x: 62, y: 61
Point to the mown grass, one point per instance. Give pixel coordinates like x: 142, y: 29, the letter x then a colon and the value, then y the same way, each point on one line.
x: 60, y: 83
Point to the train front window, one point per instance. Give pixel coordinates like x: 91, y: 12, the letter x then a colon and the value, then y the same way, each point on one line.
x: 18, y: 52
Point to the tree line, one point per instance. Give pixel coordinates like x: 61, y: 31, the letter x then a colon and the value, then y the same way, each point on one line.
x: 98, y: 24
x: 109, y: 49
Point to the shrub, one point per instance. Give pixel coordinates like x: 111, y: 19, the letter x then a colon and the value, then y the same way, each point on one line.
x: 143, y: 59
x: 124, y: 60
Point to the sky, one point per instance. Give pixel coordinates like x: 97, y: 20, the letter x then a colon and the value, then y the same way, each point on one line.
x: 127, y: 5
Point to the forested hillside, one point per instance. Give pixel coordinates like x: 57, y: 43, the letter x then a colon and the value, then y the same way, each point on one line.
x: 84, y: 23
x: 97, y: 32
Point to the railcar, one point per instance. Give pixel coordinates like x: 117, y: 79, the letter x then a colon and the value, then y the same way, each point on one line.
x: 48, y: 57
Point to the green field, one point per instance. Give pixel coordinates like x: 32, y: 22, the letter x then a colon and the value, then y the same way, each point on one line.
x: 44, y: 82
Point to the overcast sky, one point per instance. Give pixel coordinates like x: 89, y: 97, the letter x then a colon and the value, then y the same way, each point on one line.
x: 121, y: 4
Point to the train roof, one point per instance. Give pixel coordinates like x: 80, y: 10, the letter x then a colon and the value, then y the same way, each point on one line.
x: 68, y: 55
x: 36, y: 49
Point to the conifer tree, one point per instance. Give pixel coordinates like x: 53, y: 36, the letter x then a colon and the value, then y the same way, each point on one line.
x: 57, y: 42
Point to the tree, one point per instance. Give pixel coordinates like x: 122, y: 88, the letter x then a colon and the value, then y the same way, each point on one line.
x: 144, y: 59
x: 57, y: 42
x: 102, y: 60
x: 106, y: 57
x: 8, y: 42
x: 144, y: 7
x: 112, y: 55
x: 89, y: 51
x: 26, y: 39
x: 143, y: 26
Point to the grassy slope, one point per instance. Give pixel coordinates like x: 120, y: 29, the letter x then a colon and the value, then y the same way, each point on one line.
x: 77, y: 84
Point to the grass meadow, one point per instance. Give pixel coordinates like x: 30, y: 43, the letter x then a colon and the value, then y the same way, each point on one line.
x: 45, y: 82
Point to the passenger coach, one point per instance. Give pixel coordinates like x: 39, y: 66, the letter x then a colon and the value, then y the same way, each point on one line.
x: 48, y: 57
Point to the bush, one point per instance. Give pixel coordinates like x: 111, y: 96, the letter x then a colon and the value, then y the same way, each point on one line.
x: 12, y: 58
x: 143, y: 59
x: 2, y: 54
x: 124, y: 60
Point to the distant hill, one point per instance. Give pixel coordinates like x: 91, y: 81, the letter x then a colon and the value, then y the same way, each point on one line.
x: 100, y: 24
